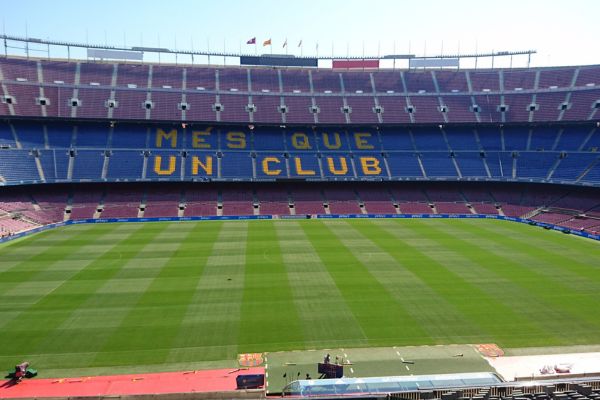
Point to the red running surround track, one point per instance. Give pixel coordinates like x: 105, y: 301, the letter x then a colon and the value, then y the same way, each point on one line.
x: 217, y: 380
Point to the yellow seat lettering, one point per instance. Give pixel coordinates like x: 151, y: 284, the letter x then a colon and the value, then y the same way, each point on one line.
x: 342, y: 170
x: 361, y: 141
x: 300, y: 141
x: 300, y: 170
x: 199, y: 139
x: 207, y: 165
x: 370, y: 166
x: 337, y: 141
x: 266, y: 167
x: 236, y: 140
x: 158, y: 165
x: 162, y: 135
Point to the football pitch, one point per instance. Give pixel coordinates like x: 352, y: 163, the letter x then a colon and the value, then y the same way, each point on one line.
x: 133, y: 297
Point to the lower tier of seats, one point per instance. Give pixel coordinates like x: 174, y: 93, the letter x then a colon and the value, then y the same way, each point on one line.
x: 26, y: 207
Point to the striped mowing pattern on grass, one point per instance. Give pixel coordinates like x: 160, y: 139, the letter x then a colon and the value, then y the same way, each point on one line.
x: 88, y: 299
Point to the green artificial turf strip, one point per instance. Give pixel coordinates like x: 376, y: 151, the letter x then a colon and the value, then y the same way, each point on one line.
x: 161, y: 296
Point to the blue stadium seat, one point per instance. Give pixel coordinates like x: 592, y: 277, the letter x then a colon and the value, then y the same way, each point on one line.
x: 6, y: 136
x: 125, y: 165
x: 489, y: 138
x: 55, y: 164
x: 404, y: 164
x: 129, y: 137
x: 270, y: 139
x: 396, y: 139
x: 438, y: 164
x: 88, y: 165
x: 543, y: 139
x: 535, y: 164
x: 60, y: 135
x: 470, y: 164
x: 573, y: 165
x: 572, y: 138
x: 515, y: 138
x: 593, y: 175
x: 31, y: 136
x: 92, y: 136
x: 594, y: 143
x: 18, y: 166
x: 461, y: 138
x: 429, y: 139
x: 500, y: 164
x: 236, y: 164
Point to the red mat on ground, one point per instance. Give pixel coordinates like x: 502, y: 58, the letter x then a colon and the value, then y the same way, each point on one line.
x: 167, y: 382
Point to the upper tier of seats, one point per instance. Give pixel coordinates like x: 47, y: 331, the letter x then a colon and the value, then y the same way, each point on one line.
x: 50, y: 88
x: 87, y: 151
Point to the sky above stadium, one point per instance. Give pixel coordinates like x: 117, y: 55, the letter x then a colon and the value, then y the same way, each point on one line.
x: 562, y: 32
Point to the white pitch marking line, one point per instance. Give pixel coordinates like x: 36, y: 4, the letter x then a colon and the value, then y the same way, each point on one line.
x: 397, y: 352
x: 401, y: 358
x: 352, y: 370
x: 408, y: 369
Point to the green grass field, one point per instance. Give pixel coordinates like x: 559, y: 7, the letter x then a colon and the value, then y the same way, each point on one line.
x: 89, y: 299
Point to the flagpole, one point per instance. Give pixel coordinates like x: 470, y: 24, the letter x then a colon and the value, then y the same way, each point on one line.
x: 458, y: 52
x: 192, y: 42
x: 394, y: 52
x: 363, y: 57
x: 409, y: 53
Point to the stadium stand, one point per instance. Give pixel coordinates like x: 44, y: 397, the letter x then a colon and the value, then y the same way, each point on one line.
x: 154, y: 92
x: 120, y: 140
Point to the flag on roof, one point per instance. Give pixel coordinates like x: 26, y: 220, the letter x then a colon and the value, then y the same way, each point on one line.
x: 251, y: 41
x: 267, y: 42
x: 285, y: 43
x: 300, y: 43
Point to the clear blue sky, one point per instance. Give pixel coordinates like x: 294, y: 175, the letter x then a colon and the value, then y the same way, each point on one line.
x: 563, y: 32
